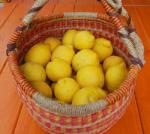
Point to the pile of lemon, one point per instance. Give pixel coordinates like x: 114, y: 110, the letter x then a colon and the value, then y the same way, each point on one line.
x: 79, y: 70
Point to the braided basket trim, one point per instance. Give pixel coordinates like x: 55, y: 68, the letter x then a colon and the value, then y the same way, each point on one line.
x: 113, y: 101
x: 42, y: 28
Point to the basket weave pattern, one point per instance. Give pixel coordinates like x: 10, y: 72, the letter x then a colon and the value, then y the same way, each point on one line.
x: 54, y: 122
x: 108, y: 117
x: 95, y: 118
x: 58, y: 124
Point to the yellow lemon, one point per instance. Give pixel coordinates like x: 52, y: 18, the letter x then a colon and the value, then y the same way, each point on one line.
x: 42, y: 87
x: 83, y: 58
x: 33, y: 71
x: 39, y: 53
x: 88, y: 95
x: 65, y: 89
x: 112, y: 61
x: 115, y: 75
x: 58, y: 69
x: 68, y: 37
x: 90, y: 76
x: 100, y: 66
x: 52, y: 43
x: 84, y: 39
x: 63, y: 52
x: 53, y: 85
x: 103, y: 48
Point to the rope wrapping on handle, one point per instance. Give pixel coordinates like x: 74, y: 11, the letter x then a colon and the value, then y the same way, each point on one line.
x: 27, y: 20
x: 117, y: 5
x: 135, y: 38
x: 34, y: 10
x: 132, y: 35
x: 124, y: 37
x: 122, y: 31
x: 11, y: 46
x: 138, y: 45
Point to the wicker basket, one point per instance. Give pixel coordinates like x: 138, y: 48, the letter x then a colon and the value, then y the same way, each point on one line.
x: 95, y: 118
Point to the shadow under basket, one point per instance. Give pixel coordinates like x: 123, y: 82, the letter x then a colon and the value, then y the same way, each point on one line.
x: 94, y: 118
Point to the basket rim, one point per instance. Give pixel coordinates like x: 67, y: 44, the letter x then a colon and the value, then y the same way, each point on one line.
x: 96, y: 15
x: 52, y: 18
x: 107, y: 101
x: 83, y: 110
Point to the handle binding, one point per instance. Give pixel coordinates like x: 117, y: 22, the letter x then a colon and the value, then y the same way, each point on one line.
x: 129, y: 36
x: 111, y: 7
x: 38, y: 4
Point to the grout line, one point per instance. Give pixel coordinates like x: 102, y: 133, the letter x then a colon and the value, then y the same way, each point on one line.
x: 57, y: 2
x: 54, y: 8
x: 137, y: 5
x: 1, y: 70
x: 20, y: 109
x: 3, y: 66
x: 75, y: 3
x: 8, y: 16
x: 74, y: 7
x: 142, y: 126
x: 143, y: 28
x: 17, y: 119
x: 95, y: 2
x: 140, y: 117
x: 134, y: 4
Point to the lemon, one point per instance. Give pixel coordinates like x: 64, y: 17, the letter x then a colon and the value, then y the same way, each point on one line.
x: 112, y: 61
x: 58, y: 69
x: 103, y: 48
x: 52, y: 43
x: 53, y: 85
x: 88, y: 95
x: 65, y: 89
x: 90, y: 76
x: 115, y: 75
x: 63, y: 52
x: 83, y: 58
x: 84, y: 39
x: 42, y: 87
x: 100, y: 66
x: 39, y: 53
x: 68, y: 37
x: 33, y: 71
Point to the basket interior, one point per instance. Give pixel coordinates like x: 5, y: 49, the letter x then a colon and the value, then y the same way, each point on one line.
x: 39, y: 30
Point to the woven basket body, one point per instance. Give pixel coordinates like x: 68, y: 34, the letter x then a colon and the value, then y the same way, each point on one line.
x: 94, y: 118
x: 51, y: 119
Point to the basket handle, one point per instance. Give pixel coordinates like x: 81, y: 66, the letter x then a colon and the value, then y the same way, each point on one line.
x: 38, y: 4
x: 113, y: 9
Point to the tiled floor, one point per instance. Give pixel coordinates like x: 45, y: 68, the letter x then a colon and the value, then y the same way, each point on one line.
x: 14, y: 118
